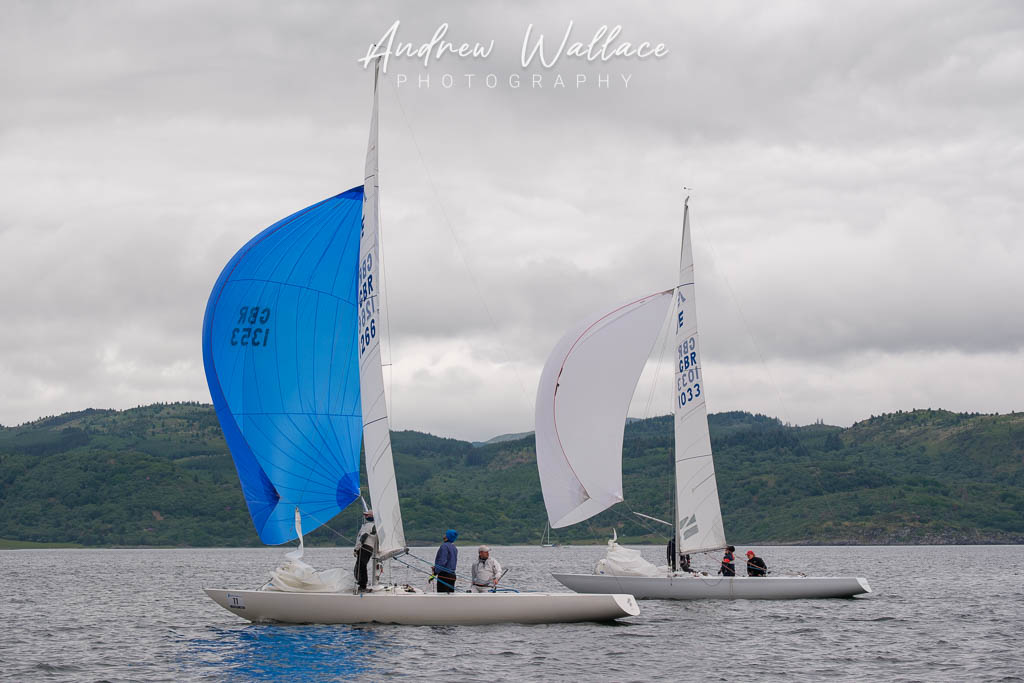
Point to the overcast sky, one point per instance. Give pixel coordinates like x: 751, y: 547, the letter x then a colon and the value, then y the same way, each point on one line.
x: 857, y: 171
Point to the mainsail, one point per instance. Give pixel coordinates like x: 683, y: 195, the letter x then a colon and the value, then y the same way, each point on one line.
x: 380, y: 466
x: 584, y: 394
x: 280, y: 358
x: 698, y: 515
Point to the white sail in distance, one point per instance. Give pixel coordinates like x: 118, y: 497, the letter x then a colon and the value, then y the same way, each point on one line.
x: 380, y: 466
x: 698, y: 514
x: 582, y: 400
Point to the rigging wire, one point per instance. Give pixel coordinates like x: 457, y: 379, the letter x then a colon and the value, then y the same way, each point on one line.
x: 665, y: 326
x: 460, y: 251
x: 382, y: 263
x: 331, y: 529
x: 639, y: 520
x: 747, y: 329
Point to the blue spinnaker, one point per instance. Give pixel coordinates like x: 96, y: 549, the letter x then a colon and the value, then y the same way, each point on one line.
x: 280, y: 350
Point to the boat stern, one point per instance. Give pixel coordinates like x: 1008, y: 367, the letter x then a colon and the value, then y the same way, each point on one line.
x: 627, y: 603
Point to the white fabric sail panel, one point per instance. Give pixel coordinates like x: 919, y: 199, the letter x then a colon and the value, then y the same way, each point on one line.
x: 699, y: 515
x: 582, y: 400
x: 380, y: 466
x: 619, y: 561
x: 295, y: 576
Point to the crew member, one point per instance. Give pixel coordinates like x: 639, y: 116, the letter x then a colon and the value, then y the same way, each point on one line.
x: 366, y: 546
x: 728, y: 568
x: 755, y: 565
x: 486, y: 571
x: 683, y: 560
x: 445, y: 562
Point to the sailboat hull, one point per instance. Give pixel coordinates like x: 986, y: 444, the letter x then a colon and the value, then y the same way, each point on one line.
x: 423, y: 609
x: 691, y: 587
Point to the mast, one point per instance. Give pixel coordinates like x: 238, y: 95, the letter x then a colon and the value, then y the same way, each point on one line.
x: 676, y: 540
x: 380, y: 466
x: 698, y: 514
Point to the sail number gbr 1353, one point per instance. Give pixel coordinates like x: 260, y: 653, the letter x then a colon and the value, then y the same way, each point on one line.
x: 253, y: 327
x: 687, y: 372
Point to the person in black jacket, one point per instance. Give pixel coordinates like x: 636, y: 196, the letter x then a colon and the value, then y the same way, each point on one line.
x: 755, y: 565
x: 728, y: 568
x: 683, y: 560
x: 366, y: 546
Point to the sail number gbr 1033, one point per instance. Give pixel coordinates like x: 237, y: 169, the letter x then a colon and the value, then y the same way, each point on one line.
x: 252, y: 327
x: 687, y: 372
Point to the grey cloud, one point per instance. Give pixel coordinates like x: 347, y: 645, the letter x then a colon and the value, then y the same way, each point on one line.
x: 857, y: 172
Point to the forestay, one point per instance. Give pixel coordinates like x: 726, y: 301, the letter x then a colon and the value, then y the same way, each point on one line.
x: 699, y: 517
x: 280, y: 360
x: 584, y: 394
x: 380, y: 467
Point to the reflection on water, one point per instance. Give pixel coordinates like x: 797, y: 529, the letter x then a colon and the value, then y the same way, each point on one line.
x: 276, y: 652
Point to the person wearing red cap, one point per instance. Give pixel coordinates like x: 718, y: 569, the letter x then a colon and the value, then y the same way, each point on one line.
x: 755, y: 565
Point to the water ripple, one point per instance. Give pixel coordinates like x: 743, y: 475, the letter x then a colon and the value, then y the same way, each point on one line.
x: 129, y: 615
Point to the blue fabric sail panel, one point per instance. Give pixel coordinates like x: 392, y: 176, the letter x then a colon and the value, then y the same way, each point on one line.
x: 281, y: 357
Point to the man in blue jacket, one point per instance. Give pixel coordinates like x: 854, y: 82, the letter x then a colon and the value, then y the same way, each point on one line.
x: 445, y: 562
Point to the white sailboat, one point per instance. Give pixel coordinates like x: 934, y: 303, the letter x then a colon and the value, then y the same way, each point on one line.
x: 545, y: 538
x: 291, y: 347
x: 582, y: 400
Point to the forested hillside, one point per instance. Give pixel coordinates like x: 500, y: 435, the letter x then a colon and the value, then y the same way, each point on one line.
x: 161, y: 475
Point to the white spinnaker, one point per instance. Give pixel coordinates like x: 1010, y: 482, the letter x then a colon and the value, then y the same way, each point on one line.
x: 699, y: 516
x: 380, y: 466
x: 584, y: 394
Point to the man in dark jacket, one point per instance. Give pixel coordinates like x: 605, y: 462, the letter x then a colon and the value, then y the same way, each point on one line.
x: 445, y: 562
x: 366, y: 546
x: 755, y: 565
x: 728, y: 568
x: 683, y: 560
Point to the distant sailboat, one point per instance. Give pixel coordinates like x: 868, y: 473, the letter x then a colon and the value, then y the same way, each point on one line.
x: 584, y: 394
x: 545, y: 538
x: 291, y: 346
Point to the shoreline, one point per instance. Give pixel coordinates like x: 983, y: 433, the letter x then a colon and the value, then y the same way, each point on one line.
x: 8, y: 544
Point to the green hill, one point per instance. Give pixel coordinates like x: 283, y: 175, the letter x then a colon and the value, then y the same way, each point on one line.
x: 161, y: 475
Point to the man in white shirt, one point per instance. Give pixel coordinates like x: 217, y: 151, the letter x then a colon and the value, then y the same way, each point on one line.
x: 486, y: 571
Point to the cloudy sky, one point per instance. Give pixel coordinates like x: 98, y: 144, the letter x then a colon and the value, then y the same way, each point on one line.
x: 857, y: 175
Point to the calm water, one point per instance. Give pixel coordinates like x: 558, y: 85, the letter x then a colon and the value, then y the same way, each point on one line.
x: 937, y: 613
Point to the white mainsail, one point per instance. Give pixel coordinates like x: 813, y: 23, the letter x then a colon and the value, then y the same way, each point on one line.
x: 380, y: 466
x: 698, y: 515
x: 582, y: 400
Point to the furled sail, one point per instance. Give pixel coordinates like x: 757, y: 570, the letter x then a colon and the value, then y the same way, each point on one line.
x: 281, y: 362
x: 584, y: 394
x: 699, y: 517
x: 380, y: 466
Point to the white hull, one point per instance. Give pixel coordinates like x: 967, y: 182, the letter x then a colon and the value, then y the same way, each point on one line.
x: 423, y: 609
x: 691, y: 587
